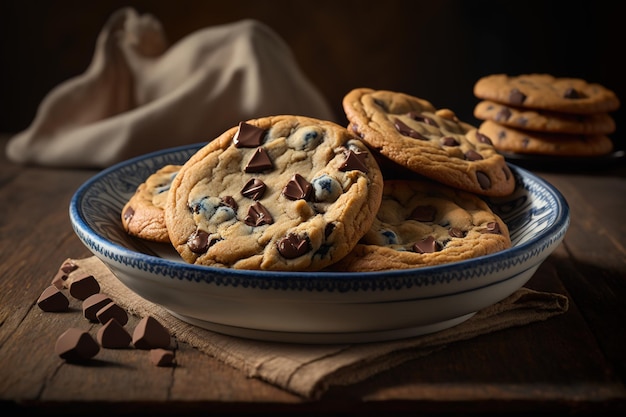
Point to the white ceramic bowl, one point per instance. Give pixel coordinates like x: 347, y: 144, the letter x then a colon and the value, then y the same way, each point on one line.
x: 315, y: 307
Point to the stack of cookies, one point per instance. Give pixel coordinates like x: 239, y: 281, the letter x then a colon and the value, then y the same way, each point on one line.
x: 539, y: 114
x: 402, y: 186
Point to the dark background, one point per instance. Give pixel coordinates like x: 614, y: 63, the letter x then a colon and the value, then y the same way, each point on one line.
x: 431, y: 49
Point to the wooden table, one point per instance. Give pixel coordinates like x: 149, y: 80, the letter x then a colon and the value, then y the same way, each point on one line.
x: 573, y: 363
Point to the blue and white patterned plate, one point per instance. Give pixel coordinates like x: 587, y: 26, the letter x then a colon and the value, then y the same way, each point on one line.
x: 315, y: 307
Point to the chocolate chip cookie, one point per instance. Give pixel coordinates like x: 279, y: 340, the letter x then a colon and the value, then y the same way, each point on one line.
x: 547, y: 92
x: 424, y: 223
x: 278, y: 193
x: 432, y: 142
x: 143, y: 215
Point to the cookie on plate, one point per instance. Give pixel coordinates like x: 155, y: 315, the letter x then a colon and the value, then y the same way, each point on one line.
x: 277, y: 193
x: 508, y: 139
x: 424, y: 223
x: 434, y: 143
x: 143, y: 216
x: 547, y: 92
x: 545, y: 121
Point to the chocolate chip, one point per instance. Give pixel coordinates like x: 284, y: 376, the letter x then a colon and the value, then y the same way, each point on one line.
x: 482, y: 138
x: 522, y: 121
x: 162, y: 357
x: 113, y: 335
x: 456, y: 232
x: 68, y: 266
x: 449, y: 141
x: 423, y: 214
x: 483, y: 180
x: 298, y: 188
x: 254, y: 189
x: 150, y: 334
x: 472, y: 155
x: 230, y: 202
x: 248, y: 136
x: 354, y: 161
x: 572, y: 93
x: 52, y: 299
x: 258, y: 215
x: 492, y: 227
x: 83, y: 286
x: 128, y: 213
x: 112, y: 311
x: 76, y: 345
x: 517, y: 97
x: 259, y: 162
x: 421, y: 118
x: 198, y: 241
x: 408, y: 131
x: 93, y: 304
x: 427, y: 245
x: 503, y: 115
x: 292, y: 246
x: 328, y: 229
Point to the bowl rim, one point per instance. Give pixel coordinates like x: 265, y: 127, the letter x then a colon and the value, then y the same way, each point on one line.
x: 104, y: 248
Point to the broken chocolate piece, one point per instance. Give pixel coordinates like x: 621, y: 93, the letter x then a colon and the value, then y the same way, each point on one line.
x: 354, y: 161
x: 230, y: 202
x: 150, y: 334
x: 516, y: 97
x: 93, y: 304
x: 254, y: 189
x: 52, y: 299
x: 492, y: 227
x: 503, y: 115
x: 162, y: 357
x: 248, y: 136
x: 258, y: 215
x: 128, y: 213
x: 113, y: 335
x: 482, y: 138
x: 423, y: 214
x: 298, y: 188
x: 112, y: 311
x: 408, y: 131
x: 292, y: 246
x: 456, y: 232
x: 449, y: 141
x: 427, y: 245
x: 259, y: 162
x: 83, y: 286
x: 76, y: 345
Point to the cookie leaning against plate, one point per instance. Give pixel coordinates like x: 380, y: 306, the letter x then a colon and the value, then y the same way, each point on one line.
x: 508, y: 139
x: 410, y: 132
x: 544, y: 91
x: 143, y: 216
x: 545, y: 121
x: 424, y: 223
x: 277, y: 193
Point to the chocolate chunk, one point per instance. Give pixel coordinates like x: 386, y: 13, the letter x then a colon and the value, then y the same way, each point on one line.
x: 328, y: 230
x: 517, y: 97
x: 162, y: 357
x: 522, y: 121
x: 421, y: 118
x: 248, y: 136
x: 254, y: 189
x: 68, y: 266
x: 198, y: 241
x: 472, y: 155
x: 354, y: 161
x: 150, y: 334
x: 483, y: 180
x: 503, y: 115
x: 259, y: 162
x: 59, y: 279
x: 112, y: 311
x: 258, y: 215
x: 407, y: 131
x: 427, y: 245
x: 76, y: 345
x: 93, y: 304
x: 52, y: 299
x: 128, y: 213
x: 298, y: 188
x: 230, y: 202
x: 482, y: 138
x: 449, y: 141
x: 572, y: 93
x: 113, y: 335
x: 423, y: 214
x: 456, y: 232
x: 492, y: 227
x: 83, y: 286
x: 292, y: 246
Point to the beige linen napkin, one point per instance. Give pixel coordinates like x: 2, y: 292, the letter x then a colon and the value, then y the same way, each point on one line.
x: 139, y: 94
x: 309, y: 370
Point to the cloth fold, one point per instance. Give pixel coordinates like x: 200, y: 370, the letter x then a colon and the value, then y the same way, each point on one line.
x: 141, y: 94
x: 310, y: 370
